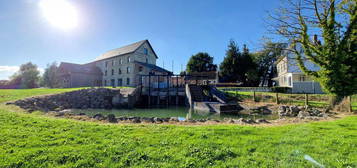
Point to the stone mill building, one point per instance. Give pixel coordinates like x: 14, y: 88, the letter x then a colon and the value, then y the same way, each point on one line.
x: 118, y: 67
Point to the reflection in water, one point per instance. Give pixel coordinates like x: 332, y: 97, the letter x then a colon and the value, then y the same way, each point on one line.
x: 181, y: 112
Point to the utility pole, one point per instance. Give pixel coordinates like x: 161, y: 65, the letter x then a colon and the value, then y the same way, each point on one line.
x: 172, y: 66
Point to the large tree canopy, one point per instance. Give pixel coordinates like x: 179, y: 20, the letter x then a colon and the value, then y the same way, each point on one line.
x: 334, y: 22
x: 50, y: 77
x: 201, y: 62
x: 229, y: 67
x: 27, y: 76
x: 238, y: 66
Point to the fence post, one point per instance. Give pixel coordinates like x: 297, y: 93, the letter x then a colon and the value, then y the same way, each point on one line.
x: 350, y: 104
x: 306, y: 99
x: 254, y: 98
x: 277, y: 98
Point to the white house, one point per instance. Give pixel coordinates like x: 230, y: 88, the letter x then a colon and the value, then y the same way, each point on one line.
x: 290, y: 75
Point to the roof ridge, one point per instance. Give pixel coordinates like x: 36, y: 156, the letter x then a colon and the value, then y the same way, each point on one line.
x: 127, y: 45
x: 121, y: 50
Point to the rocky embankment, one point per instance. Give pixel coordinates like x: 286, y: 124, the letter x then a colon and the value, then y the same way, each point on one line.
x: 111, y: 118
x: 100, y: 98
x: 301, y: 112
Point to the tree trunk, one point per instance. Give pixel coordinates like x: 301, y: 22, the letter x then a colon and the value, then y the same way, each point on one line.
x: 340, y: 103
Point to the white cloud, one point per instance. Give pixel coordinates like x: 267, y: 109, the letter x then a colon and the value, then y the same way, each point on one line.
x: 7, y: 71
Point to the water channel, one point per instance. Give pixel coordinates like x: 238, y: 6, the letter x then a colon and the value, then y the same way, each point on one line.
x: 182, y: 113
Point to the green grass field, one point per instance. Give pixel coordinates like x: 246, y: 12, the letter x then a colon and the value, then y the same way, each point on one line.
x: 36, y: 140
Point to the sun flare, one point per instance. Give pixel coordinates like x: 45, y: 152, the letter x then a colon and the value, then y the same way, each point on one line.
x: 60, y: 13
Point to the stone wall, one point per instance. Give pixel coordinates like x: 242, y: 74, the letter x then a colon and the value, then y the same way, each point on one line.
x: 96, y: 98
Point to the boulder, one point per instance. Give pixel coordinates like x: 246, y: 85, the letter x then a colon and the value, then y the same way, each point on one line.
x: 59, y: 114
x: 111, y: 118
x: 147, y: 119
x: 157, y: 120
x: 261, y: 121
x: 174, y: 119
x: 290, y: 111
x: 98, y: 117
x: 294, y: 110
x: 303, y: 114
x: 282, y: 110
x: 136, y: 120
x: 250, y: 121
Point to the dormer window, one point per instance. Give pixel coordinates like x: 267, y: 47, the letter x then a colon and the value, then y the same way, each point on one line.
x: 145, y: 51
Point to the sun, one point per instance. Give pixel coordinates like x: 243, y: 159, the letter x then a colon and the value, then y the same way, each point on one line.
x: 60, y: 13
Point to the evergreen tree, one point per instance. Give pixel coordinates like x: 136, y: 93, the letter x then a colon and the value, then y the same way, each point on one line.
x: 201, y: 62
x: 229, y: 66
x: 236, y: 65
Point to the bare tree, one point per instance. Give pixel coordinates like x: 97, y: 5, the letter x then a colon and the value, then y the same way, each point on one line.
x: 326, y: 30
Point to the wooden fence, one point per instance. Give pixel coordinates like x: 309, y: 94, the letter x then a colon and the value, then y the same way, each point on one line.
x: 313, y: 100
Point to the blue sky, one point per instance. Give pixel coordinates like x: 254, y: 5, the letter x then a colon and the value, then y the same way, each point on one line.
x: 176, y: 29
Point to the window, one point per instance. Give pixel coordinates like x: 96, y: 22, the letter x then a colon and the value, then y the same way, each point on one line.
x: 140, y: 68
x: 112, y: 82
x: 145, y: 51
x: 129, y: 59
x: 302, y: 78
x: 127, y: 69
x: 106, y: 63
x: 112, y: 71
x: 105, y: 82
x: 112, y: 62
x: 127, y: 81
x: 146, y: 60
x: 121, y: 61
x: 120, y: 82
x: 119, y: 71
x: 105, y: 73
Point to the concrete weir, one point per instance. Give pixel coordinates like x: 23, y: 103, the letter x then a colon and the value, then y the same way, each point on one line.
x: 195, y: 91
x: 209, y: 98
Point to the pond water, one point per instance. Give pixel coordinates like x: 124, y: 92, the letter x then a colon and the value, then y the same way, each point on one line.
x: 182, y: 113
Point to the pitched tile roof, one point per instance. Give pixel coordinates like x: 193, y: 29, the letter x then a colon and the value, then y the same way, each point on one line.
x: 123, y: 50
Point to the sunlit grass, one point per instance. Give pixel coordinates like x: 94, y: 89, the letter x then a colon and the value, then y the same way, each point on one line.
x: 36, y: 140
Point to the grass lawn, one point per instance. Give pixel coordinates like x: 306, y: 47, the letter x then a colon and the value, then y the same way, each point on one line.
x: 35, y: 140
